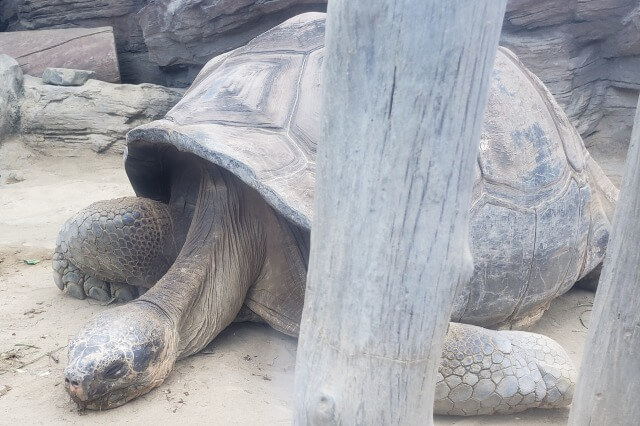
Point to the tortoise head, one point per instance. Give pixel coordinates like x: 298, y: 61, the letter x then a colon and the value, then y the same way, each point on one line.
x: 119, y: 355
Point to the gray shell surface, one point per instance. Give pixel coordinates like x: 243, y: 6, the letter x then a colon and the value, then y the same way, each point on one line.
x: 537, y: 224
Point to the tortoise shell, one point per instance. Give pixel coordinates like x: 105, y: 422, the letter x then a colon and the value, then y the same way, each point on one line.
x: 537, y: 222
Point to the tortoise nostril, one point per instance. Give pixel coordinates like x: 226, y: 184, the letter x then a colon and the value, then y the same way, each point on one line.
x: 66, y: 381
x: 74, y: 383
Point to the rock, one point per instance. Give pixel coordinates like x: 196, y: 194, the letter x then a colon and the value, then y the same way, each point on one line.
x: 10, y: 92
x: 194, y: 31
x: 4, y: 389
x: 8, y: 13
x: 78, y: 48
x: 588, y: 54
x: 11, y: 177
x: 118, y: 14
x: 96, y: 115
x: 66, y: 76
x: 179, y: 36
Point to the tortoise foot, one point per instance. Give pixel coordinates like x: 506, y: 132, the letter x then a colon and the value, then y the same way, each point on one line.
x: 112, y: 249
x: 74, y: 282
x: 68, y: 277
x: 501, y: 372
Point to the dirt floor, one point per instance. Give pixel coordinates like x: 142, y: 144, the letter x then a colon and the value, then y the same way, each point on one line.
x: 244, y: 377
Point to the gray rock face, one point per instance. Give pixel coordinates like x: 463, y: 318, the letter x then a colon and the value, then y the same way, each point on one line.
x: 10, y: 93
x: 588, y: 54
x: 80, y: 48
x: 17, y: 15
x: 66, y: 76
x: 8, y: 11
x: 96, y: 115
x: 194, y: 31
x: 180, y: 36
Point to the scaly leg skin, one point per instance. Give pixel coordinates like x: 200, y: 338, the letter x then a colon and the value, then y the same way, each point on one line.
x: 499, y: 372
x: 114, y: 249
x: 72, y: 280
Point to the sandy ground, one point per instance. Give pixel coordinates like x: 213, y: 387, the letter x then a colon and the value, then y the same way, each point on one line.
x: 244, y: 377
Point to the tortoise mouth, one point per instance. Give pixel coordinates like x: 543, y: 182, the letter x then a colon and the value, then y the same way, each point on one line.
x: 113, y: 399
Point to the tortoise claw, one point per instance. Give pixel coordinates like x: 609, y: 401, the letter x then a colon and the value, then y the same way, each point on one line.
x: 123, y: 292
x: 72, y: 281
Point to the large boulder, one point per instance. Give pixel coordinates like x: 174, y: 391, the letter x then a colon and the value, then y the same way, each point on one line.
x: 166, y: 41
x: 182, y: 34
x: 18, y: 15
x: 10, y: 92
x: 96, y: 115
x: 82, y: 48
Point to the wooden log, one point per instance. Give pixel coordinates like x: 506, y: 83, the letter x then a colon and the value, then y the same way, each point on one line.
x: 91, y: 49
x: 405, y: 89
x: 96, y: 115
x: 609, y: 379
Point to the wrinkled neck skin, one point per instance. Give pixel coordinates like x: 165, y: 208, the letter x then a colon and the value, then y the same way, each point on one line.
x: 125, y: 352
x: 205, y: 288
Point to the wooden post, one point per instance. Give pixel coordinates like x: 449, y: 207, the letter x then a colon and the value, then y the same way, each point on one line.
x: 609, y: 380
x: 405, y: 86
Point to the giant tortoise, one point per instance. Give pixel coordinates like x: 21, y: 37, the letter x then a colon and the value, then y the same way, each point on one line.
x: 219, y: 231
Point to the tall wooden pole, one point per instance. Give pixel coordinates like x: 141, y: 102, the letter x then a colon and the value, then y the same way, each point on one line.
x: 405, y: 86
x: 608, y: 386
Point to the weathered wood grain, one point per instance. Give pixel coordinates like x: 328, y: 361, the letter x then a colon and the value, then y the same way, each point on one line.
x: 405, y: 88
x: 96, y: 115
x: 609, y: 381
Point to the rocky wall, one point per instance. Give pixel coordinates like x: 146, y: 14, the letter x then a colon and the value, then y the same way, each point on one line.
x: 162, y: 41
x: 588, y: 54
x: 586, y: 51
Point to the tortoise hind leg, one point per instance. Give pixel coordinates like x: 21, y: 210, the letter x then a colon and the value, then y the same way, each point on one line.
x: 500, y: 372
x: 277, y: 296
x: 111, y: 247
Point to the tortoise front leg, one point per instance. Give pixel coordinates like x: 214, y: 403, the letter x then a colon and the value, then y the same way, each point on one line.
x: 112, y: 245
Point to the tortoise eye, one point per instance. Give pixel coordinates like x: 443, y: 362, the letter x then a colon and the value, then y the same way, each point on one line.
x: 115, y: 370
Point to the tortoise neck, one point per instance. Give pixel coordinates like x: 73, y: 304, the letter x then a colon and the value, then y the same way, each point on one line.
x: 222, y: 255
